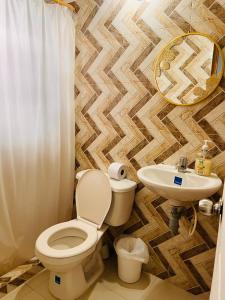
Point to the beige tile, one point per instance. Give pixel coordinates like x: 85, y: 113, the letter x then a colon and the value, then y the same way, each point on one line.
x: 109, y: 287
x: 161, y: 290
x: 23, y: 293
x: 148, y: 287
x: 18, y: 271
x: 204, y: 296
x: 38, y: 279
x: 31, y: 296
x: 18, y: 293
x: 39, y: 284
x: 129, y: 291
x: 100, y: 292
x: 10, y: 287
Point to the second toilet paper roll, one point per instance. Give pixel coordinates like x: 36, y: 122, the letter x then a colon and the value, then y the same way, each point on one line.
x: 117, y: 171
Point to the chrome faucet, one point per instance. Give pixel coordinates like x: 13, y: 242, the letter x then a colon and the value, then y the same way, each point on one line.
x: 182, y: 164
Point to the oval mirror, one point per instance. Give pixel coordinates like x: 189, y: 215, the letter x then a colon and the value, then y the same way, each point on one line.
x: 189, y: 69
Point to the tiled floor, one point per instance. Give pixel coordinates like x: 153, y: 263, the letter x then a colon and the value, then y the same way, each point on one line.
x: 108, y: 287
x: 18, y: 276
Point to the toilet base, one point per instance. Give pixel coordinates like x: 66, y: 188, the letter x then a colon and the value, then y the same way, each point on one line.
x: 72, y: 284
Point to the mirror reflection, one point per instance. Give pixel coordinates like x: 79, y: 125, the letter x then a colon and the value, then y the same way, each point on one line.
x: 189, y: 69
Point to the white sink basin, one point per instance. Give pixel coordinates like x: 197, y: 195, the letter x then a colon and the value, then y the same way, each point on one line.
x: 167, y: 182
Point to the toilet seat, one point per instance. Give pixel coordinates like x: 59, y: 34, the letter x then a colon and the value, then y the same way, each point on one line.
x: 77, y: 237
x: 77, y: 231
x: 93, y: 197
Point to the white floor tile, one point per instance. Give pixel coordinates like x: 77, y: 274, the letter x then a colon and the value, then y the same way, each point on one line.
x: 39, y: 284
x: 161, y: 290
x: 100, y: 292
x: 204, y: 296
x: 38, y: 279
x: 23, y: 293
x: 148, y: 287
x: 32, y: 296
x: 129, y: 291
x: 2, y: 295
x: 108, y: 287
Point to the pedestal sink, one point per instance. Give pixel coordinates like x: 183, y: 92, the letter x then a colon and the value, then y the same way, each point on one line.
x: 179, y: 188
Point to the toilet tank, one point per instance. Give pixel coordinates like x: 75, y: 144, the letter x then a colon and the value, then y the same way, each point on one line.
x: 123, y: 192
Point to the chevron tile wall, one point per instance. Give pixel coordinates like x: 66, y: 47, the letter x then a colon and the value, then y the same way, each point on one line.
x: 120, y: 116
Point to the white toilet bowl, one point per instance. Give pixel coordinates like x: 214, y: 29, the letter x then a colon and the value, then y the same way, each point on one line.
x: 71, y: 250
x: 62, y: 246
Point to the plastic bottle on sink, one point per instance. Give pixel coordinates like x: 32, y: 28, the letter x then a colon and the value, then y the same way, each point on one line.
x: 203, y: 162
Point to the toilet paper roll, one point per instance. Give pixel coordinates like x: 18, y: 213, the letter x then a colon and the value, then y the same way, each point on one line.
x: 117, y: 171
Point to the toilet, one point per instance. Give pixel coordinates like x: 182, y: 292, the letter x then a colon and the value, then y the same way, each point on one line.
x: 71, y: 251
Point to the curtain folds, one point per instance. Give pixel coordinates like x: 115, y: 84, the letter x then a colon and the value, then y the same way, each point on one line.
x: 37, y: 43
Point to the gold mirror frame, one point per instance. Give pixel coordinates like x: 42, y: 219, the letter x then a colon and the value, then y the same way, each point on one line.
x: 175, y: 42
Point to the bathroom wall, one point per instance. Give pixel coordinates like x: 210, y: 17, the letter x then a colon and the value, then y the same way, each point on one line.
x: 120, y: 116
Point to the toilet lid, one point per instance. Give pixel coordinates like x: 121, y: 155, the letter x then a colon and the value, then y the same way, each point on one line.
x: 93, y: 197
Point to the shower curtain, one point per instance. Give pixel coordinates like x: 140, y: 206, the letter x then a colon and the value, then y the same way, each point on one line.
x: 36, y: 123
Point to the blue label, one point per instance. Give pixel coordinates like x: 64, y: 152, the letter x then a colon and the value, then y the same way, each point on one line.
x: 178, y: 180
x: 57, y: 279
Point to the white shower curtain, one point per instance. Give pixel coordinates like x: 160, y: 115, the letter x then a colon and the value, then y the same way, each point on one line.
x: 36, y: 123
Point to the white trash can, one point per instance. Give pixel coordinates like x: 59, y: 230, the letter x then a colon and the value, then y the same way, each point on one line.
x: 132, y: 253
